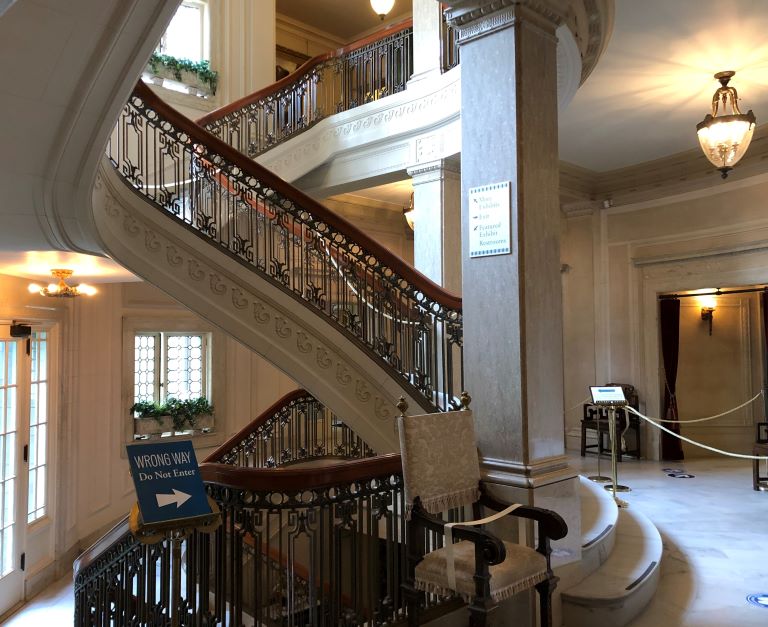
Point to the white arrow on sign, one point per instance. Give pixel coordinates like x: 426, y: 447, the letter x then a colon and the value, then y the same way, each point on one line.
x: 177, y: 497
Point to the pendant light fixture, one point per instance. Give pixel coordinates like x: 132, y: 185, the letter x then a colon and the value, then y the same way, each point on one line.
x: 382, y: 7
x: 724, y: 136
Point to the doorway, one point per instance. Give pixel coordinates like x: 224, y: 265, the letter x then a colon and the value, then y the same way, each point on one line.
x: 719, y: 368
x: 24, y: 455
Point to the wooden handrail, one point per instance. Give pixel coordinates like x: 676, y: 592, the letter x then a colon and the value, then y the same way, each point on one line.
x: 255, y: 424
x: 292, y: 479
x: 98, y: 548
x: 300, y: 71
x: 263, y: 480
x: 317, y: 210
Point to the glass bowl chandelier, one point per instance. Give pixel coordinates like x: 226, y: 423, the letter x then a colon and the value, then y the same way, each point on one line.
x: 724, y: 136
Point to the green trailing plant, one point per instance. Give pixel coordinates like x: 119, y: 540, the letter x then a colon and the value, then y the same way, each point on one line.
x: 184, y: 414
x: 201, y: 69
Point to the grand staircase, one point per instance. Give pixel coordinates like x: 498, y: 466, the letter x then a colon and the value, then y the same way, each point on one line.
x: 277, y: 270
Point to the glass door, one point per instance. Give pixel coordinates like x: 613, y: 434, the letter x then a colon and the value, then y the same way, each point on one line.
x: 11, y: 522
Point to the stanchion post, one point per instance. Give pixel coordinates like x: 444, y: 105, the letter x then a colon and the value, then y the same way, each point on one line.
x: 615, y: 487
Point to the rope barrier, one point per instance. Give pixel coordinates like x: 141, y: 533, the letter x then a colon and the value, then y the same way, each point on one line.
x: 682, y: 437
x: 577, y: 405
x: 725, y: 413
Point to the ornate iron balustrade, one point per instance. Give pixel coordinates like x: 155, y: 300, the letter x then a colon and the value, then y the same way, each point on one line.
x: 303, y: 548
x: 296, y: 429
x: 369, y: 69
x: 410, y: 325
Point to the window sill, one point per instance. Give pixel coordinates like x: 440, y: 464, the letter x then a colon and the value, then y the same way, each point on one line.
x: 175, y: 96
x: 200, y: 441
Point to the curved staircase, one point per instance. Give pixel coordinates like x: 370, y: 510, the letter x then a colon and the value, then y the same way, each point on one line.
x: 278, y: 271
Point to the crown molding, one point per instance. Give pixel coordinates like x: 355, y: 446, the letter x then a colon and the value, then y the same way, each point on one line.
x: 589, y: 21
x: 679, y: 174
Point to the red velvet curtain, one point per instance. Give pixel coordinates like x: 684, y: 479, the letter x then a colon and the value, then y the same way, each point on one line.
x: 669, y: 316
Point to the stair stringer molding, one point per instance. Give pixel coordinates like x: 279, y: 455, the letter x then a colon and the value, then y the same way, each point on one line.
x: 260, y: 315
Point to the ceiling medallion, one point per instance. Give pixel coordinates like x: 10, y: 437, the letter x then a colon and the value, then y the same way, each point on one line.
x: 61, y: 289
x: 724, y: 136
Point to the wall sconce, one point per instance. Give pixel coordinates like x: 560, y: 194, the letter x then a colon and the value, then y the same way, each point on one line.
x: 61, y: 289
x: 382, y: 7
x: 409, y: 213
x: 708, y: 304
x: 725, y: 138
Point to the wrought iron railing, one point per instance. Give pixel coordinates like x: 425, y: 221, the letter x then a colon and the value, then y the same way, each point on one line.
x: 296, y: 429
x: 364, y: 71
x: 409, y: 324
x: 304, y: 547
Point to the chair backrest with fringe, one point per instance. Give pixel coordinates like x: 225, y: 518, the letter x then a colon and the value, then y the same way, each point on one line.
x: 440, y: 463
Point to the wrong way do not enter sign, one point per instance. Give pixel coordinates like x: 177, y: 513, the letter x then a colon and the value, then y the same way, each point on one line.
x: 167, y: 480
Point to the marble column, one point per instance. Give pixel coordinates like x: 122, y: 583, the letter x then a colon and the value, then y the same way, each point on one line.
x: 437, y: 231
x: 513, y: 355
x: 243, y: 46
x: 427, y: 22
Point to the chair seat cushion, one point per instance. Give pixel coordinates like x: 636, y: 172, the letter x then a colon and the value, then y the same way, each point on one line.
x: 522, y: 569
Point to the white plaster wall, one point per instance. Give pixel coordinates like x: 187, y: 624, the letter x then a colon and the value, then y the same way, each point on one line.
x: 691, y: 241
x: 90, y: 487
x: 382, y: 221
x: 718, y: 372
x: 105, y: 490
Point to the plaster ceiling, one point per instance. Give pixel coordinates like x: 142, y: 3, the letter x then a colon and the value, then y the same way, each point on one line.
x: 654, y: 82
x: 37, y: 265
x: 397, y: 193
x: 343, y: 18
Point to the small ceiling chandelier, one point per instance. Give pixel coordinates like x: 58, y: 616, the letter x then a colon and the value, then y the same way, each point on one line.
x: 61, y: 289
x: 724, y: 138
x: 382, y: 7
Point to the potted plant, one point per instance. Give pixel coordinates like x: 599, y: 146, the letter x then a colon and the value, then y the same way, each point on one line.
x: 194, y: 414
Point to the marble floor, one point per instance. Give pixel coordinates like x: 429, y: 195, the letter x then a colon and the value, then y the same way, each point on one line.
x: 715, y: 533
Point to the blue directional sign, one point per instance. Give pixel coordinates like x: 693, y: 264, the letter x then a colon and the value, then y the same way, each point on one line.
x: 167, y: 480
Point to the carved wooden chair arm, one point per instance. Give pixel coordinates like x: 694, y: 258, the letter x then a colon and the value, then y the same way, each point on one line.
x: 491, y: 547
x: 551, y: 524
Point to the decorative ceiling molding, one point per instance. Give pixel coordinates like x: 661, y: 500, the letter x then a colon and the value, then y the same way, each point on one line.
x: 589, y: 21
x: 681, y: 173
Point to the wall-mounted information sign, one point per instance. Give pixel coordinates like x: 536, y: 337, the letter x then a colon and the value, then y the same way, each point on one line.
x: 489, y: 220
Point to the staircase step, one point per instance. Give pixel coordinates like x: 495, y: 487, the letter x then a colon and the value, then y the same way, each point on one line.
x: 624, y: 584
x: 599, y: 515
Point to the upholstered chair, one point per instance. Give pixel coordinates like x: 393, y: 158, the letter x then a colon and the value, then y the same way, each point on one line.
x: 441, y: 472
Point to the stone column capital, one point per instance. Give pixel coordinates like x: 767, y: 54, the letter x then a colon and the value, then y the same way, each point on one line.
x: 434, y: 170
x: 589, y: 21
x: 461, y: 13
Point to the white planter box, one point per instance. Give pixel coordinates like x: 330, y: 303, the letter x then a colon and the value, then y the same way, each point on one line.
x: 194, y: 85
x: 164, y: 424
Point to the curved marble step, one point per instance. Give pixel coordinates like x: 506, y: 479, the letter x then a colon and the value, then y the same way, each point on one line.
x: 599, y: 515
x: 624, y: 584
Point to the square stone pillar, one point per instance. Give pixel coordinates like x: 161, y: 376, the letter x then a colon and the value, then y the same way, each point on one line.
x: 513, y: 354
x: 437, y: 229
